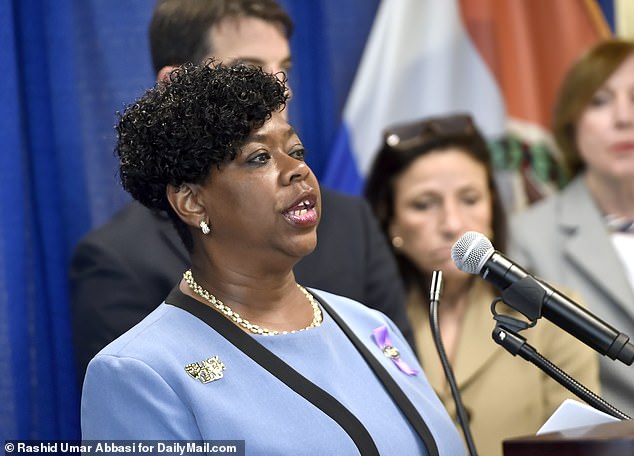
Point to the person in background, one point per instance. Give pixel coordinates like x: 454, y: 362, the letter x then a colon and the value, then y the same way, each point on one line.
x: 213, y: 149
x: 583, y: 237
x: 431, y: 182
x: 121, y: 271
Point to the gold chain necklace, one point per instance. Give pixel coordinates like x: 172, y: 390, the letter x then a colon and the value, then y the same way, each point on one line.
x: 238, y: 320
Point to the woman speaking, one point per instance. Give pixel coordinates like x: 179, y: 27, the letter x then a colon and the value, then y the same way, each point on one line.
x: 239, y: 350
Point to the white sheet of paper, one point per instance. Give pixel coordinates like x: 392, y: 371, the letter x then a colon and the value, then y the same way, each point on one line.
x: 574, y: 414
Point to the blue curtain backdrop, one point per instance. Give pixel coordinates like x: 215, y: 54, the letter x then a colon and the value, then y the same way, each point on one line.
x: 68, y: 66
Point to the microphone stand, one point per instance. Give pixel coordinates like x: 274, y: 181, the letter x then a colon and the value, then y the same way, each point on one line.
x: 516, y: 344
x: 505, y: 334
x: 434, y: 298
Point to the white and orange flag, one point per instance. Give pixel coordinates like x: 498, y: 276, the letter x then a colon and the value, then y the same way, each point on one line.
x: 500, y: 60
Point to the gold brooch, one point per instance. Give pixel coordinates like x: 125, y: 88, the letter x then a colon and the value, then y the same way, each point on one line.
x: 210, y: 370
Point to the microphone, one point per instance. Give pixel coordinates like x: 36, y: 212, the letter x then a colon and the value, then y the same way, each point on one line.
x: 474, y: 253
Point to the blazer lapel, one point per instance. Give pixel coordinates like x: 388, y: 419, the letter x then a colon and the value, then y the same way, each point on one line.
x: 587, y: 244
x: 476, y: 348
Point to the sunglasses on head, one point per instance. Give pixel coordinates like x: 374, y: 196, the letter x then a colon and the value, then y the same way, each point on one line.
x: 411, y: 134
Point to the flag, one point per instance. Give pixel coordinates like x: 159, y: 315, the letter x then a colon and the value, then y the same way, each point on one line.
x: 500, y: 60
x: 624, y: 18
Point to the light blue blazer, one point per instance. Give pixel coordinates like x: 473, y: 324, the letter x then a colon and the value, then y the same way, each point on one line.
x: 564, y: 241
x: 138, y: 388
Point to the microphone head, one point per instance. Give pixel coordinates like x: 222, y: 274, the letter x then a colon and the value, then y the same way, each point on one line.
x: 471, y: 252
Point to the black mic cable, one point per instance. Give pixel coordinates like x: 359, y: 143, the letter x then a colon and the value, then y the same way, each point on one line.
x: 434, y: 298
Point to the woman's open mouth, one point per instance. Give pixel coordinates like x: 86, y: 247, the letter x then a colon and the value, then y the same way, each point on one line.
x: 303, y: 212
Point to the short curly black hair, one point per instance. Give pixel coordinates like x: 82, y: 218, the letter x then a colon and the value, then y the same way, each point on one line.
x: 178, y: 130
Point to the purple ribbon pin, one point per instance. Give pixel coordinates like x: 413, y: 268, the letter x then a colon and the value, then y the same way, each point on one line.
x: 382, y: 339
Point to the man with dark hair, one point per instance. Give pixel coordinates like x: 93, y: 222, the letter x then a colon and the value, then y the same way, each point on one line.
x: 124, y: 269
x: 183, y: 31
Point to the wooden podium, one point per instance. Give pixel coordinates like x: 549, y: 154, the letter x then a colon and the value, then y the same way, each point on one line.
x: 610, y: 439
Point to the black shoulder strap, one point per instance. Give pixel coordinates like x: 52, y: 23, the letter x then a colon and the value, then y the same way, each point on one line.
x: 406, y: 406
x: 269, y: 361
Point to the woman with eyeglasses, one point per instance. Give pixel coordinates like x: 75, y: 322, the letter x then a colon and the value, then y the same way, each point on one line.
x: 583, y: 237
x: 430, y: 183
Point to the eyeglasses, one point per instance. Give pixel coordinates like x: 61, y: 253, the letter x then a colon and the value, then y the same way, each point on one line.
x: 412, y: 134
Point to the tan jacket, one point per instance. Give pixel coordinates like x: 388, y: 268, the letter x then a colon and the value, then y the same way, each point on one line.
x: 505, y: 396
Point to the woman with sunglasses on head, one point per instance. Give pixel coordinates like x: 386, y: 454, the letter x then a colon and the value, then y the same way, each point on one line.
x: 430, y: 183
x: 583, y: 237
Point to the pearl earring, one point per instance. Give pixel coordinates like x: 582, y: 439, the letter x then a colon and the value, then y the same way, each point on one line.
x: 397, y: 242
x: 204, y: 227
